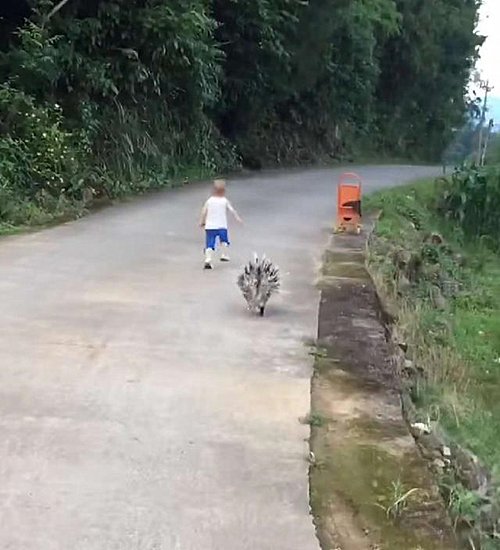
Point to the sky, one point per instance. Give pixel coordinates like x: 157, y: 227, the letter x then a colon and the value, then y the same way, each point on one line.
x: 489, y: 26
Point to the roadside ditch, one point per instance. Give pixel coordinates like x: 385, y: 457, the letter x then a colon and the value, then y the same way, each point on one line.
x: 371, y: 487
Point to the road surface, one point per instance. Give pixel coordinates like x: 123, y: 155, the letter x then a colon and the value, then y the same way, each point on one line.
x: 141, y: 406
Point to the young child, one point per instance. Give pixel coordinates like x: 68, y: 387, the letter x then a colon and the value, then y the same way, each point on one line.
x: 214, y: 220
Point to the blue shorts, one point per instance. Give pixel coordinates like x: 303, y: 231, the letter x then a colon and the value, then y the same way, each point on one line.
x: 213, y: 234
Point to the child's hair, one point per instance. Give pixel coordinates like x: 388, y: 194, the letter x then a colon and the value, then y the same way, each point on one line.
x: 219, y: 185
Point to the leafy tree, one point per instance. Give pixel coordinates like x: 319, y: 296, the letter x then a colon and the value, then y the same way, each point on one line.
x: 157, y: 88
x: 425, y: 71
x: 256, y: 37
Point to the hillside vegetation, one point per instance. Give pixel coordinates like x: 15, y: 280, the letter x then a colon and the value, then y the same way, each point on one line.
x: 435, y: 256
x: 116, y: 96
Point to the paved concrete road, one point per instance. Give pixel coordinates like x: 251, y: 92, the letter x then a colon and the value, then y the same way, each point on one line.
x: 141, y: 406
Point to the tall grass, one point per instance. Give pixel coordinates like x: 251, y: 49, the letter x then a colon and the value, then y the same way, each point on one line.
x: 471, y: 199
x: 148, y: 147
x: 456, y: 344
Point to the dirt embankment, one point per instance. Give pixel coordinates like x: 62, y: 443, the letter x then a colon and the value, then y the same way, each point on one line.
x: 370, y: 487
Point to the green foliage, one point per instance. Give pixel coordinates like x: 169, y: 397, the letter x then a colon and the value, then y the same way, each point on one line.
x: 40, y: 161
x: 320, y: 75
x: 135, y: 50
x: 472, y: 199
x: 398, y: 500
x: 35, y: 60
x: 464, y: 505
x: 315, y: 420
x: 493, y: 156
x: 148, y: 74
x: 456, y: 347
x: 151, y: 90
x: 425, y: 71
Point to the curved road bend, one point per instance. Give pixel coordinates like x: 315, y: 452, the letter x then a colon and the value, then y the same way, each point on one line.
x: 141, y: 406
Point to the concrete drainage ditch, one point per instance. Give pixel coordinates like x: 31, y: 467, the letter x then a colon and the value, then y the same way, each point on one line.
x: 370, y: 486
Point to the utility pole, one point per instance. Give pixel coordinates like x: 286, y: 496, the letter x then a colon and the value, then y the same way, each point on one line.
x: 485, y: 85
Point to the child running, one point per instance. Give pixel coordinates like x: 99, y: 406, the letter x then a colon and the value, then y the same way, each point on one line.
x: 214, y: 220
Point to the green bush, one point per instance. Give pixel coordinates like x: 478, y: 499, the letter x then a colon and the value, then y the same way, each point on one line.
x: 40, y: 162
x: 493, y: 156
x: 471, y: 199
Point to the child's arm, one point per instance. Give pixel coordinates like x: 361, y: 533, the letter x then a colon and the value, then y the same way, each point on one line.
x: 203, y: 217
x: 233, y: 212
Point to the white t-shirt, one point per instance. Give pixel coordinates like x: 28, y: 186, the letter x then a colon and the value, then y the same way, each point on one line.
x: 216, y: 208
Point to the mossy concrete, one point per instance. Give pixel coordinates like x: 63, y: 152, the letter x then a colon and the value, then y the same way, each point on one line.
x: 364, y: 457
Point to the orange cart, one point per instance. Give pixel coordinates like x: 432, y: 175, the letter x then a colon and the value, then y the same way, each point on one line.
x: 349, y: 203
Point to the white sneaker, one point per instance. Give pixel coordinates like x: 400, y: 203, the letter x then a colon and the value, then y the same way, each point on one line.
x: 224, y: 257
x: 208, y: 258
